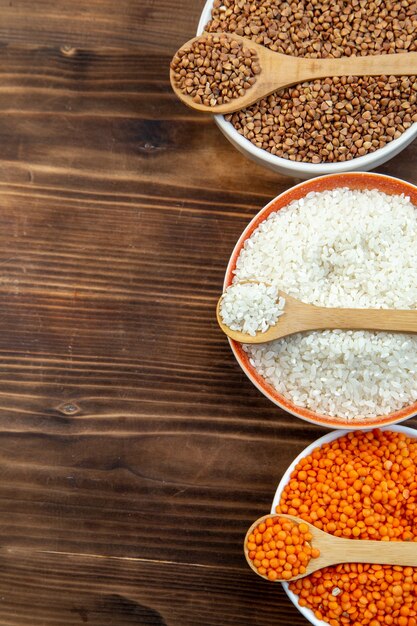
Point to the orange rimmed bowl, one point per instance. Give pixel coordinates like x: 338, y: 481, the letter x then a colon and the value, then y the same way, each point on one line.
x: 353, y: 180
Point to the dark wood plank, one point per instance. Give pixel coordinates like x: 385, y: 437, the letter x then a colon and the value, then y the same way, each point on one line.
x: 151, y: 25
x: 103, y: 493
x: 54, y: 589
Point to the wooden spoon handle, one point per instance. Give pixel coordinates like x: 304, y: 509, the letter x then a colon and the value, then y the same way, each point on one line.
x: 403, y: 64
x: 364, y: 319
x: 378, y: 552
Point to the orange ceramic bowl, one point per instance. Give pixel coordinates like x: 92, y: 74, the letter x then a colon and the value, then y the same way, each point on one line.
x: 352, y: 180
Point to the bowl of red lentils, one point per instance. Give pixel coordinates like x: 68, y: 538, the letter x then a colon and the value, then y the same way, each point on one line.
x: 328, y: 125
x: 356, y: 485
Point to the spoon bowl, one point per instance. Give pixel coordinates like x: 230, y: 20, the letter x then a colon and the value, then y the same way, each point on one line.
x: 281, y: 70
x: 300, y: 317
x: 336, y: 550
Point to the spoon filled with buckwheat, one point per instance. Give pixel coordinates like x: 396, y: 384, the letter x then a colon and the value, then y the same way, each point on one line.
x: 223, y: 72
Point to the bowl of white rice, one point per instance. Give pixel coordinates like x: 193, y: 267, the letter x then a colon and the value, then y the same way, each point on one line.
x: 341, y: 240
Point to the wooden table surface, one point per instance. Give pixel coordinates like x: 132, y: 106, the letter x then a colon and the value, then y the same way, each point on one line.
x: 133, y: 452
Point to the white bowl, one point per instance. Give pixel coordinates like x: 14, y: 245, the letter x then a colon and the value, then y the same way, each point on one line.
x: 305, y: 170
x: 331, y: 436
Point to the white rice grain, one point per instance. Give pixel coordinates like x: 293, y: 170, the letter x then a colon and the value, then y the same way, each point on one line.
x: 251, y: 307
x: 342, y: 248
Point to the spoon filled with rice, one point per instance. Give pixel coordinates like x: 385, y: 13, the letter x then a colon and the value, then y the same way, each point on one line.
x: 257, y: 312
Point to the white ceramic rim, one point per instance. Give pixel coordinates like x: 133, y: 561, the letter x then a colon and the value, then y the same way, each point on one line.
x: 364, y: 424
x: 307, y: 169
x: 331, y: 436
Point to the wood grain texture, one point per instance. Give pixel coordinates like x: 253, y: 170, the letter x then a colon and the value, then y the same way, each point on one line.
x: 133, y: 456
x: 133, y: 591
x: 145, y: 23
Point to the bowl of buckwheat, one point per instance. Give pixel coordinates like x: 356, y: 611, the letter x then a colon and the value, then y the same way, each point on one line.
x: 329, y: 125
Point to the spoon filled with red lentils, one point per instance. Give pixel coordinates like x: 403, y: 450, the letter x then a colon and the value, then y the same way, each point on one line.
x: 284, y: 548
x: 224, y: 73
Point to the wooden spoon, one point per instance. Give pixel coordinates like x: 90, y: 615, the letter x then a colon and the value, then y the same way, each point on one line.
x: 300, y: 317
x: 335, y: 550
x: 281, y: 70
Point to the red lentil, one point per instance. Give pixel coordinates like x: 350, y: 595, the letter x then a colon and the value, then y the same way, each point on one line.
x: 382, y: 504
x: 280, y: 548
